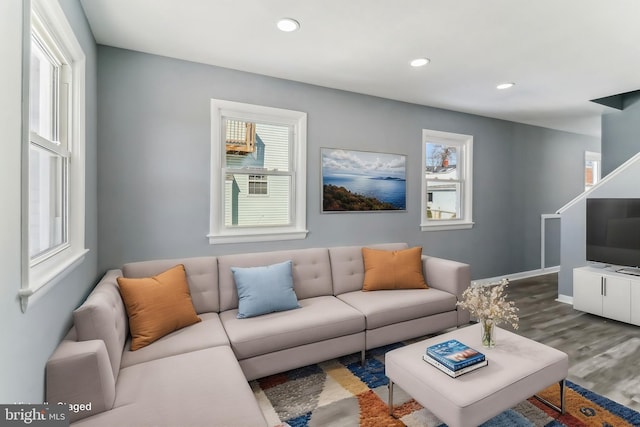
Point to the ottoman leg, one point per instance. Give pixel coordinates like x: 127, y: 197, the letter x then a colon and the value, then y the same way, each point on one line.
x: 560, y: 408
x: 391, y: 398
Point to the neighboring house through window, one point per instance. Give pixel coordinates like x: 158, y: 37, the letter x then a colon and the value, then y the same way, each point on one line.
x: 592, y: 169
x: 258, y: 177
x: 54, y: 196
x: 446, y: 180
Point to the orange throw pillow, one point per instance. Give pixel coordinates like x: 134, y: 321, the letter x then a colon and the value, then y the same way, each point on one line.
x: 393, y: 269
x: 157, y: 305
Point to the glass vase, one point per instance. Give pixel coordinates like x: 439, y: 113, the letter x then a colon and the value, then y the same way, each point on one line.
x: 487, y: 330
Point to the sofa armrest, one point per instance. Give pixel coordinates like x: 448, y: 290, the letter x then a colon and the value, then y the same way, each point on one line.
x: 79, y: 372
x: 449, y: 276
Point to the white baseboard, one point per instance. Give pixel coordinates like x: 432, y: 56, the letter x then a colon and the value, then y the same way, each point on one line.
x: 565, y: 299
x: 521, y: 275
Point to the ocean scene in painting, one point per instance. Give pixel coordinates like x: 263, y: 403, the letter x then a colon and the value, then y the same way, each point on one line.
x: 378, y: 176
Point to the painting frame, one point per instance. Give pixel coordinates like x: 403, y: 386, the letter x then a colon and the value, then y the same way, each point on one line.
x: 358, y: 181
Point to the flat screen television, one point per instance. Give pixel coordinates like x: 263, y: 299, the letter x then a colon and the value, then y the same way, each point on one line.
x: 613, y: 231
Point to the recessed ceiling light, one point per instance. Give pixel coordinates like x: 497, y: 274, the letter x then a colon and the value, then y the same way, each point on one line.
x: 419, y: 62
x: 288, y: 25
x: 505, y: 85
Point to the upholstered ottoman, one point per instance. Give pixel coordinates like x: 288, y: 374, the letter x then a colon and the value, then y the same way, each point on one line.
x: 518, y: 368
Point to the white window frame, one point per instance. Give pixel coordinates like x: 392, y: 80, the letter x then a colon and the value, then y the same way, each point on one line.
x: 219, y: 232
x: 464, y: 143
x: 48, y: 19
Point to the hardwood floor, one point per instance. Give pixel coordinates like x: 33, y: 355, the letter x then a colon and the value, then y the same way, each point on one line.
x: 604, y: 355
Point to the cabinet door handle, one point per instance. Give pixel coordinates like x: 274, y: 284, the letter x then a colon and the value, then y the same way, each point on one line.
x: 601, y: 285
x: 604, y: 287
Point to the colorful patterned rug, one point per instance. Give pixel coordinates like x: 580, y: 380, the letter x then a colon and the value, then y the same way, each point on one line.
x: 342, y: 393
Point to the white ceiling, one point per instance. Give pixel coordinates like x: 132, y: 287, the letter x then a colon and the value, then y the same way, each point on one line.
x: 560, y: 53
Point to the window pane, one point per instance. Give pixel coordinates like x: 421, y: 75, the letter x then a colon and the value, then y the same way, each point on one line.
x: 42, y: 92
x: 47, y: 218
x: 268, y: 148
x: 242, y: 209
x: 443, y: 200
x: 441, y: 161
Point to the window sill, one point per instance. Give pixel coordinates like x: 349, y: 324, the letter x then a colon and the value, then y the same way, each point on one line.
x: 251, y: 236
x: 447, y: 225
x: 40, y: 278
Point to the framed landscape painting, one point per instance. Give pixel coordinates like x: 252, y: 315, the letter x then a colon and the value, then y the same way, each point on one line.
x: 363, y: 181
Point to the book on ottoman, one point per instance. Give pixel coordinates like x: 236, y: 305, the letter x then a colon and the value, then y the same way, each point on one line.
x: 453, y: 374
x: 455, y: 355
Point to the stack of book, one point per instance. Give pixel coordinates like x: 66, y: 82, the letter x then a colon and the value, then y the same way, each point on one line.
x: 454, y: 358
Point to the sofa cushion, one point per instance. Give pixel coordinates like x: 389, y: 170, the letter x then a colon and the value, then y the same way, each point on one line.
x: 277, y: 331
x: 205, y: 334
x: 392, y: 269
x: 263, y: 290
x: 311, y: 272
x: 202, y: 276
x: 347, y: 266
x: 387, y: 307
x: 200, y: 388
x: 157, y: 305
x: 102, y: 316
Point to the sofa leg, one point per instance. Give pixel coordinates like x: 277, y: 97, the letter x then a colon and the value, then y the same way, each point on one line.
x: 362, y: 357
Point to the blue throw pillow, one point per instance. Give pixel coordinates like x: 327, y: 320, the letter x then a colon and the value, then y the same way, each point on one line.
x: 263, y: 290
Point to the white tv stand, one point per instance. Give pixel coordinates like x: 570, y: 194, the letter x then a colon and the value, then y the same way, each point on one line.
x: 608, y: 293
x: 634, y: 271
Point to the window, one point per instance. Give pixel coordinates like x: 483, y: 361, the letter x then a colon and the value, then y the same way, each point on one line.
x: 447, y: 181
x: 591, y: 169
x: 54, y: 152
x: 258, y: 173
x: 258, y: 184
x: 49, y: 85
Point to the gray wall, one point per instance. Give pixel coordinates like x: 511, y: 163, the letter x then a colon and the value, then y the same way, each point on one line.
x: 29, y: 338
x: 549, y: 172
x: 153, y: 178
x: 621, y: 134
x: 620, y: 142
x: 552, y: 243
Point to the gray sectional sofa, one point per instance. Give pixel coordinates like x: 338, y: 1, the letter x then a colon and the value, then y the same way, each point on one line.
x: 198, y: 375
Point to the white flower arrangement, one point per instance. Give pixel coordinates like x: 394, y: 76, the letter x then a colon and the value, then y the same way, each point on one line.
x: 488, y: 303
